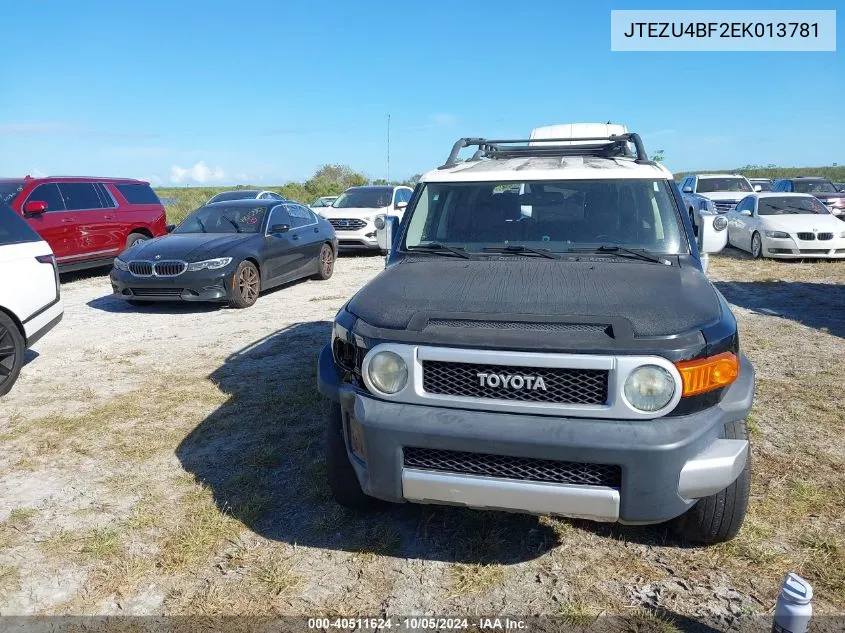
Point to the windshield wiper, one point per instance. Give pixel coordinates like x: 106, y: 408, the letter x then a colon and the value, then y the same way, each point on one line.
x: 233, y: 223
x: 437, y: 247
x: 519, y: 249
x: 202, y: 226
x: 641, y: 253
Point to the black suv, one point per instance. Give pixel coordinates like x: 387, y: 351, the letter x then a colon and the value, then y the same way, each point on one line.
x: 543, y: 339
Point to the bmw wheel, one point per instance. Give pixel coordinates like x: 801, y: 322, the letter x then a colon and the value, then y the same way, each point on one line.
x: 325, y: 262
x: 11, y: 353
x: 756, y: 246
x: 246, y: 285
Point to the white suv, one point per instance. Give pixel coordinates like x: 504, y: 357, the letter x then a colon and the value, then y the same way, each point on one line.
x: 30, y: 302
x: 353, y: 215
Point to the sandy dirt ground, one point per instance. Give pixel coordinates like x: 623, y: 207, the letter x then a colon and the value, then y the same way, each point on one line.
x: 169, y: 460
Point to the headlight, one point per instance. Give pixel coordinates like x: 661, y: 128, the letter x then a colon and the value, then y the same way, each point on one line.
x: 379, y: 222
x: 388, y: 372
x: 210, y: 264
x: 649, y: 388
x: 777, y: 234
x: 705, y: 205
x: 120, y: 264
x: 842, y: 235
x: 720, y: 223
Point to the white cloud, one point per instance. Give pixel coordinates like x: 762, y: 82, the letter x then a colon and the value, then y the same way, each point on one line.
x: 36, y: 173
x: 37, y: 127
x: 444, y: 119
x: 199, y: 173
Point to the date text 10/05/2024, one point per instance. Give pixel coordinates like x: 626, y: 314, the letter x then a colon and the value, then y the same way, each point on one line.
x: 417, y: 624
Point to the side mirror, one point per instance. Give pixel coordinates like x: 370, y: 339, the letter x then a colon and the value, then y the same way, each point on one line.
x: 401, y: 204
x: 687, y: 189
x: 34, y: 207
x: 280, y: 228
x: 745, y: 212
x: 169, y: 228
x: 758, y: 188
x: 384, y: 235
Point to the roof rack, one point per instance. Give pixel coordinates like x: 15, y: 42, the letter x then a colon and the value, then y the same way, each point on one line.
x: 615, y: 146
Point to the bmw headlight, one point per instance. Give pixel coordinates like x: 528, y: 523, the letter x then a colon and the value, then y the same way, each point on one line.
x: 649, y: 388
x: 388, y: 372
x: 120, y: 264
x: 777, y: 234
x: 720, y: 223
x: 210, y: 264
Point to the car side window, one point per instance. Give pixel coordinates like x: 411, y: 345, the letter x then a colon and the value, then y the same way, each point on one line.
x: 299, y: 216
x: 744, y: 204
x: 79, y: 196
x: 106, y: 199
x: 404, y: 195
x: 49, y: 193
x: 278, y: 215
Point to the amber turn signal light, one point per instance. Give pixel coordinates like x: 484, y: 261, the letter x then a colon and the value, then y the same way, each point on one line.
x: 707, y: 374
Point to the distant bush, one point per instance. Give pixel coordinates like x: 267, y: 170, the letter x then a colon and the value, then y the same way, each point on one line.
x: 329, y: 180
x: 834, y: 173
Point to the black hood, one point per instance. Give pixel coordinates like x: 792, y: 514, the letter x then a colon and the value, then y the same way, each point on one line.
x: 655, y: 299
x: 191, y: 247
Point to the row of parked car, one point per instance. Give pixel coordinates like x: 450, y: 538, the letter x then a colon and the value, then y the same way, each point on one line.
x: 791, y: 218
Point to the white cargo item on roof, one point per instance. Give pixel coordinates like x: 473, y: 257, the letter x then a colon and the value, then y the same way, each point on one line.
x: 577, y: 130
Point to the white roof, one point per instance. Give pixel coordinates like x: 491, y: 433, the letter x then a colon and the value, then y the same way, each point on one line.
x: 547, y: 168
x: 702, y: 176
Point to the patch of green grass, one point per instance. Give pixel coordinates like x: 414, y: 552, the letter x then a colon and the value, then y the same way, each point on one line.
x: 101, y: 543
x: 278, y: 577
x: 475, y: 578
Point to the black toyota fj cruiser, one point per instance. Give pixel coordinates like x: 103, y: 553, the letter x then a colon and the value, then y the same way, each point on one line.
x: 543, y: 339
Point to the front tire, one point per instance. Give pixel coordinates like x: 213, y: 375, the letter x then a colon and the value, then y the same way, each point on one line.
x: 325, y: 263
x: 756, y: 246
x: 343, y: 481
x: 246, y: 286
x: 135, y: 238
x: 717, y: 518
x: 12, y: 347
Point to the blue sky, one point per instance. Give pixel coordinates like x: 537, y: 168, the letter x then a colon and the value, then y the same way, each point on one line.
x: 265, y: 92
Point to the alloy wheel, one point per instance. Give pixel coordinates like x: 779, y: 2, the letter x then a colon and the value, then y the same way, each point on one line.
x: 756, y: 246
x: 326, y: 261
x: 248, y: 283
x: 8, y: 354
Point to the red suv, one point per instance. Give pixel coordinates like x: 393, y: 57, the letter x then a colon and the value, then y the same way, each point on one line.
x: 86, y: 221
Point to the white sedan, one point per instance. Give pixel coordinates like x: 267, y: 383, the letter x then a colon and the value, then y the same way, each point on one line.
x: 786, y: 225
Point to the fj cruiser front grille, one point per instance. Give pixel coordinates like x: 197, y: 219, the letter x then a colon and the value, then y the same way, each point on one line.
x: 520, y: 325
x: 520, y: 468
x: 562, y: 385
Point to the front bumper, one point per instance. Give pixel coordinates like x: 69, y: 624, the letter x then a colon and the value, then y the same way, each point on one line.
x: 665, y: 463
x: 365, y: 237
x: 205, y: 285
x: 793, y: 248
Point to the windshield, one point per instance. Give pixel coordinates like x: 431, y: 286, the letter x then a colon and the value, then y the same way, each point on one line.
x: 765, y: 185
x: 227, y: 196
x: 238, y: 219
x: 706, y: 185
x: 9, y: 190
x: 813, y: 186
x: 788, y: 205
x: 323, y: 202
x: 365, y: 198
x: 556, y: 215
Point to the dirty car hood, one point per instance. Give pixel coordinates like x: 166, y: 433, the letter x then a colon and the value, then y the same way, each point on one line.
x: 656, y: 300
